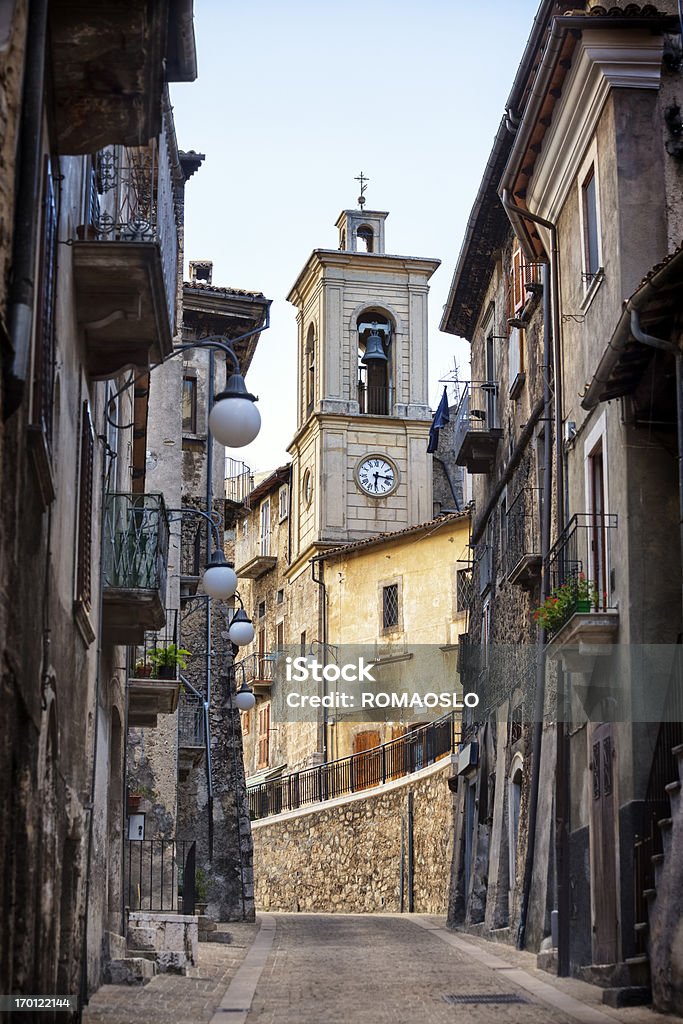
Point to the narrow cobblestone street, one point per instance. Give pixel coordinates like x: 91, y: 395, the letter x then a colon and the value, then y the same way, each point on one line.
x: 347, y: 968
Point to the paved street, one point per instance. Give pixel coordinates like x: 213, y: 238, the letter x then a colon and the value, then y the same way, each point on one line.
x: 379, y: 969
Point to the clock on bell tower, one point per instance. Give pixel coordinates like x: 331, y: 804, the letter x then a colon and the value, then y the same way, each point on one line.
x: 360, y: 462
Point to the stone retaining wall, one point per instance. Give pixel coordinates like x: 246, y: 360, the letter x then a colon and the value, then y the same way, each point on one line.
x: 350, y: 854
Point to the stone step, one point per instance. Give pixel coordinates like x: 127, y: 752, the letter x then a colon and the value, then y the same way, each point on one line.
x: 657, y: 859
x: 223, y: 937
x: 649, y: 894
x: 628, y: 995
x: 665, y: 824
x: 673, y: 788
x: 638, y: 970
x: 130, y: 970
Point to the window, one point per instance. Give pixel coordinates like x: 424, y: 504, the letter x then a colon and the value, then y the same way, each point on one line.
x: 245, y: 721
x: 590, y: 228
x: 463, y: 589
x: 518, y: 280
x: 85, y: 511
x: 283, y: 503
x: 44, y: 362
x: 261, y: 609
x: 390, y: 606
x: 302, y: 644
x: 280, y: 635
x: 310, y: 370
x: 189, y: 405
x: 280, y: 597
x: 264, y: 518
x: 264, y: 735
x: 485, y: 632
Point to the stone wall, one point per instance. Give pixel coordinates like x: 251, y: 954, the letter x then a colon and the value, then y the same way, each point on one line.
x: 351, y: 855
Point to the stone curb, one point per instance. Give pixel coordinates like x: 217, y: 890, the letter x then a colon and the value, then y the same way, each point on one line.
x: 238, y: 997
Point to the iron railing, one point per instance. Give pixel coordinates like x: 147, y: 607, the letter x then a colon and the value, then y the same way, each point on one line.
x: 477, y: 410
x: 579, y: 566
x: 256, y: 668
x: 190, y: 721
x: 135, y: 542
x: 374, y: 400
x: 157, y: 656
x: 523, y: 529
x: 239, y: 482
x: 396, y: 759
x: 131, y: 200
x: 159, y: 872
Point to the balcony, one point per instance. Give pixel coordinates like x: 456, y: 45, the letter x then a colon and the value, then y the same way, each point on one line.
x: 109, y: 62
x: 254, y: 559
x: 125, y: 260
x: 258, y: 671
x: 134, y: 566
x: 580, y: 621
x: 191, y: 743
x: 153, y: 675
x: 477, y: 434
x: 239, y: 483
x: 523, y: 539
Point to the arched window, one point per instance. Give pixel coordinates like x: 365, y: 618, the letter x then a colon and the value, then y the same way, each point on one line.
x: 365, y: 239
x: 374, y: 363
x: 310, y: 370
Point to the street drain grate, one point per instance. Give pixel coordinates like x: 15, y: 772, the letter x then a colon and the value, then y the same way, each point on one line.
x: 486, y: 997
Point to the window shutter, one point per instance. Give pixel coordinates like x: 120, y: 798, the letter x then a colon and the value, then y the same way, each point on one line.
x: 44, y: 360
x: 85, y: 510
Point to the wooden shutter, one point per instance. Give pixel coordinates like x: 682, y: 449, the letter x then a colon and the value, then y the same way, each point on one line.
x: 44, y: 356
x: 85, y: 510
x: 263, y: 735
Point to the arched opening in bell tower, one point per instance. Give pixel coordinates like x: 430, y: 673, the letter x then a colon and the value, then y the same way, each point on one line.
x: 365, y: 239
x: 310, y: 370
x: 374, y: 363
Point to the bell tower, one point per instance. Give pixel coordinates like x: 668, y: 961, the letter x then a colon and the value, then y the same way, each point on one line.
x: 359, y: 454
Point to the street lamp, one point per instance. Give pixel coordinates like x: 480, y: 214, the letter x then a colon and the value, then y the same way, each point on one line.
x: 219, y: 579
x: 244, y: 698
x: 241, y: 629
x: 234, y: 420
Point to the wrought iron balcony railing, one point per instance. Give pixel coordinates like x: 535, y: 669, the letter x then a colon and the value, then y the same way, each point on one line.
x: 523, y: 538
x: 239, y: 482
x: 579, y: 564
x: 135, y: 542
x: 190, y: 721
x: 477, y: 429
x: 257, y: 669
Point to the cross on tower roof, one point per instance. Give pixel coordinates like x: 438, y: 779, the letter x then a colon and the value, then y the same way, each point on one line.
x: 363, y: 185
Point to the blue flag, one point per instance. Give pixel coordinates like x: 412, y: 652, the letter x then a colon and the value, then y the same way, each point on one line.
x: 441, y: 418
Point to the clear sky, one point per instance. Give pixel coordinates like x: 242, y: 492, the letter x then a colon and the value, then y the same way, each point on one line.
x: 294, y: 98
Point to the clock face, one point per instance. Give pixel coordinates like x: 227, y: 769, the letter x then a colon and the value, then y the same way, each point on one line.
x: 377, y: 476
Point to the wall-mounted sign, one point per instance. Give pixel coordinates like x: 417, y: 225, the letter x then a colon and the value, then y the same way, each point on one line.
x: 136, y: 826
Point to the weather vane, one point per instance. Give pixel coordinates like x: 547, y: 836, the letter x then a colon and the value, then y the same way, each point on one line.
x: 363, y: 185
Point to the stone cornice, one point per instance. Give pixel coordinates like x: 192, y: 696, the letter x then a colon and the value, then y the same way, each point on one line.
x: 603, y: 61
x: 369, y: 263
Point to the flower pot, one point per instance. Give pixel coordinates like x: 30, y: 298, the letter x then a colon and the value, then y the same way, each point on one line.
x: 143, y: 671
x: 583, y: 605
x: 134, y: 801
x: 166, y: 672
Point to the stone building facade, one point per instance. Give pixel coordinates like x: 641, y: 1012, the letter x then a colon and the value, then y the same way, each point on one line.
x: 568, y: 784
x: 87, y: 292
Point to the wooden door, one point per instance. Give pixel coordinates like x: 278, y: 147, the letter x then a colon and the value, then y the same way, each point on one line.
x: 598, y: 568
x: 603, y: 847
x: 366, y: 766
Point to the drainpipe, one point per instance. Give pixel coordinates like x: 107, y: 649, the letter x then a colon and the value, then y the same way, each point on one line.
x: 667, y: 346
x: 551, y: 310
x: 27, y: 210
x: 539, y: 696
x: 322, y: 621
x: 209, y: 509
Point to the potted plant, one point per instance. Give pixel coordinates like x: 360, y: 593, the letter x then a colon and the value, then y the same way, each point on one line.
x: 167, y: 660
x: 143, y: 670
x: 577, y: 595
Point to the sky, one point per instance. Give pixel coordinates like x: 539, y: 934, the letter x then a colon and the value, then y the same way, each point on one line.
x: 294, y: 99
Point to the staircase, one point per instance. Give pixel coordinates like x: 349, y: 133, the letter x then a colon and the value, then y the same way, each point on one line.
x: 664, y: 895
